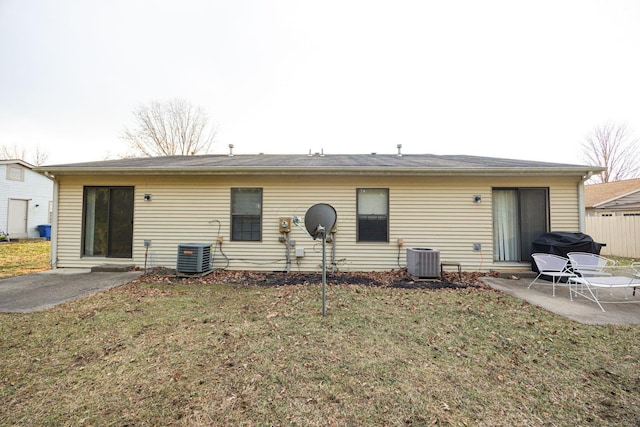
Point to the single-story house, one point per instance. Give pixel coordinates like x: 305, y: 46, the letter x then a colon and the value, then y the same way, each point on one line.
x: 25, y: 199
x: 480, y: 212
x: 618, y: 198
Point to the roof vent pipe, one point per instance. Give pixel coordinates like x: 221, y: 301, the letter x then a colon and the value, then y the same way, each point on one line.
x: 230, y: 150
x: 310, y: 155
x: 322, y: 152
x: 399, y: 150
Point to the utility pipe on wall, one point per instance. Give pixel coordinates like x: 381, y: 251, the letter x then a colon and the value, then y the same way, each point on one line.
x: 288, y: 246
x: 334, y: 265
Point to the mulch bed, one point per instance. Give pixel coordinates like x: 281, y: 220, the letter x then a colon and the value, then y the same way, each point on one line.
x: 391, y: 279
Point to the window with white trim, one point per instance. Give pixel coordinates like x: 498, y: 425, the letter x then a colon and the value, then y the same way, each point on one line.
x: 246, y: 214
x: 373, y: 214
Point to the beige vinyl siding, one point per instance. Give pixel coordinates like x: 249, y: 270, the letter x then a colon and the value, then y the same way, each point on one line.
x: 565, y: 211
x: 69, y: 225
x: 439, y: 213
x: 431, y: 212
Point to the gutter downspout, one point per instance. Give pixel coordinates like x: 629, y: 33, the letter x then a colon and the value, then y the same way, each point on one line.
x: 581, y: 208
x: 54, y: 224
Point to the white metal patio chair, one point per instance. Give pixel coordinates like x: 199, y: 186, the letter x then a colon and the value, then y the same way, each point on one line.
x: 590, y: 263
x: 555, y: 266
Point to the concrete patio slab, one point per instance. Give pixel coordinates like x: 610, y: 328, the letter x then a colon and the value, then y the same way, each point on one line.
x: 618, y: 310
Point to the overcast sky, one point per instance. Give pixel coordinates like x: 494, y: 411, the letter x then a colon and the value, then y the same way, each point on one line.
x: 516, y: 79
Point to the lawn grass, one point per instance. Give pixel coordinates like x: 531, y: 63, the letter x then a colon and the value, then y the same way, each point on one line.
x: 24, y: 257
x: 163, y: 354
x: 622, y: 261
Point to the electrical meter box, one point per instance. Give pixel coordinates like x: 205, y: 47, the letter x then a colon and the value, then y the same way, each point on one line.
x: 285, y: 225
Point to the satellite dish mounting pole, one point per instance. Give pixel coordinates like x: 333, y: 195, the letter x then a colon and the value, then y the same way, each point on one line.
x: 318, y: 219
x: 323, y: 233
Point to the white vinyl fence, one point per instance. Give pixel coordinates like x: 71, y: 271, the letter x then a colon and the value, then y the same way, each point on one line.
x: 620, y: 233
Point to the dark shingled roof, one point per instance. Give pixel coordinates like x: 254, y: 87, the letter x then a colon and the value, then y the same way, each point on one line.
x: 316, y: 163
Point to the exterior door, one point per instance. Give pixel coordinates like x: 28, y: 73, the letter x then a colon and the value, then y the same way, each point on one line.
x: 520, y: 215
x: 121, y: 223
x: 17, y: 224
x: 534, y: 218
x: 108, y: 222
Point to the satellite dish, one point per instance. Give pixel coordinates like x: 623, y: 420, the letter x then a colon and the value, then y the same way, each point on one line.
x: 319, y: 219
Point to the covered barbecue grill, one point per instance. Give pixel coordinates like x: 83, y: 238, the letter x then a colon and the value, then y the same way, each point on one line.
x: 561, y: 243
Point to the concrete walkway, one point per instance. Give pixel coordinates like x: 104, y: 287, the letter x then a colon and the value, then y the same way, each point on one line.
x: 618, y: 311
x: 39, y: 291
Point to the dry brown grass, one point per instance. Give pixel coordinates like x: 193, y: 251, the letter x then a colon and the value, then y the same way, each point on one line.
x: 24, y: 258
x: 171, y: 354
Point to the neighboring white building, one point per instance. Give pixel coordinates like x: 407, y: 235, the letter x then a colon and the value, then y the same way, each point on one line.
x: 25, y: 199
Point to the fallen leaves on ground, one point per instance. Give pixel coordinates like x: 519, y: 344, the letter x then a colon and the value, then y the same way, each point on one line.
x: 394, y: 279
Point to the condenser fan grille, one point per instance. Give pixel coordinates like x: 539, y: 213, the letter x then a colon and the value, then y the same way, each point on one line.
x: 194, y: 258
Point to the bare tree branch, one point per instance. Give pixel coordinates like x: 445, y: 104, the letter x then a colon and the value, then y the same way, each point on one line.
x: 174, y: 127
x: 15, y: 152
x: 612, y: 146
x: 40, y: 156
x: 12, y: 152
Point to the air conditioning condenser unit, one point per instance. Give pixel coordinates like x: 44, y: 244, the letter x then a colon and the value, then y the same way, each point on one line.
x: 194, y: 259
x: 423, y: 262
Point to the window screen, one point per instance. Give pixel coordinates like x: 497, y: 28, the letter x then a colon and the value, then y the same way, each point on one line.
x: 246, y: 214
x: 373, y: 215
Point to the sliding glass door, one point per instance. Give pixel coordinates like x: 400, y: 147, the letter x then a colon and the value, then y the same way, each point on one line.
x: 108, y: 222
x: 520, y: 215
